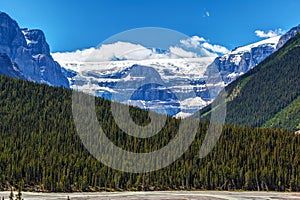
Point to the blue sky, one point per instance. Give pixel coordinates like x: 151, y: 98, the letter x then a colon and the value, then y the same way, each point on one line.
x: 78, y: 24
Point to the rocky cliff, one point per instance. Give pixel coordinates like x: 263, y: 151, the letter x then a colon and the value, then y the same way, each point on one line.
x: 25, y: 54
x: 242, y: 59
x: 8, y: 68
x: 290, y: 34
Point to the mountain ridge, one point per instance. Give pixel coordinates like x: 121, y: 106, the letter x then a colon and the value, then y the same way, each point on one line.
x: 188, y: 69
x: 264, y: 95
x: 29, y: 54
x: 242, y: 59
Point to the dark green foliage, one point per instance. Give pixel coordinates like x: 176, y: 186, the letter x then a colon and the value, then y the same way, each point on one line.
x: 256, y: 98
x: 39, y: 146
x: 19, y: 195
x: 287, y: 117
x: 11, y: 195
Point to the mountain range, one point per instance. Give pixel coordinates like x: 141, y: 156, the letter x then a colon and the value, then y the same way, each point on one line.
x: 172, y: 81
x: 40, y: 147
x: 188, y: 78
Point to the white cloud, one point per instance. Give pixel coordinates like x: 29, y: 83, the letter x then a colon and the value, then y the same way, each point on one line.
x: 192, y: 42
x: 193, y: 47
x: 122, y: 51
x: 215, y: 48
x: 207, y: 53
x: 203, y: 46
x: 106, y: 52
x: 269, y: 34
x: 207, y: 13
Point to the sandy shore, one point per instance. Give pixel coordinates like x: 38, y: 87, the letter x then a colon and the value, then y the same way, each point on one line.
x: 178, y: 195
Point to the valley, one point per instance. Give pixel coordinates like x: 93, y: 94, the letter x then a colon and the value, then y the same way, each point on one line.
x: 251, y: 150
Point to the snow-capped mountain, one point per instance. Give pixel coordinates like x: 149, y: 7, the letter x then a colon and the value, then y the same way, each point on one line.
x: 167, y: 81
x: 110, y: 73
x: 178, y: 80
x: 171, y: 86
x: 25, y: 54
x: 242, y: 59
x: 291, y: 33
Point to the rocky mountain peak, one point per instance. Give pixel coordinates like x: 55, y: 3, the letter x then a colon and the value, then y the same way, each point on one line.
x: 25, y: 54
x: 290, y: 34
x: 11, y: 37
x: 36, y: 41
x: 242, y: 59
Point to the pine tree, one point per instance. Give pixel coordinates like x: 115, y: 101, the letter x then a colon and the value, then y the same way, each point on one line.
x: 19, y: 195
x: 11, y: 196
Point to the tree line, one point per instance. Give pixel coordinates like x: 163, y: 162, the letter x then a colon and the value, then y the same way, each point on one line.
x: 40, y: 147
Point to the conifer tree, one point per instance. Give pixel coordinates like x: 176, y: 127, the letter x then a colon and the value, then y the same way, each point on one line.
x: 11, y: 196
x: 19, y: 195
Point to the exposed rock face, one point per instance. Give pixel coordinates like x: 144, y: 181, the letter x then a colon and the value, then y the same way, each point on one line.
x: 169, y: 86
x: 13, y: 43
x: 288, y: 36
x: 50, y: 71
x: 242, y: 59
x: 10, y: 34
x: 29, y: 54
x: 36, y: 41
x: 8, y: 68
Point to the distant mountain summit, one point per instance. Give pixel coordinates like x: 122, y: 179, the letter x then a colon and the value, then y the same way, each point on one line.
x: 242, y: 59
x: 25, y: 54
x: 269, y: 94
x: 188, y: 76
x: 290, y: 34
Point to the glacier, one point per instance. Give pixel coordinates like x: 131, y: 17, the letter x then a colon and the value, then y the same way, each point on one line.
x: 113, y: 75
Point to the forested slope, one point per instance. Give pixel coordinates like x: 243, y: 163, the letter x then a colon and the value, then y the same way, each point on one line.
x: 268, y: 95
x: 39, y: 148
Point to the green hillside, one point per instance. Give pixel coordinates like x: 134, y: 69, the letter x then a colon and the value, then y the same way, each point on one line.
x: 40, y: 150
x: 289, y: 117
x: 268, y: 95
